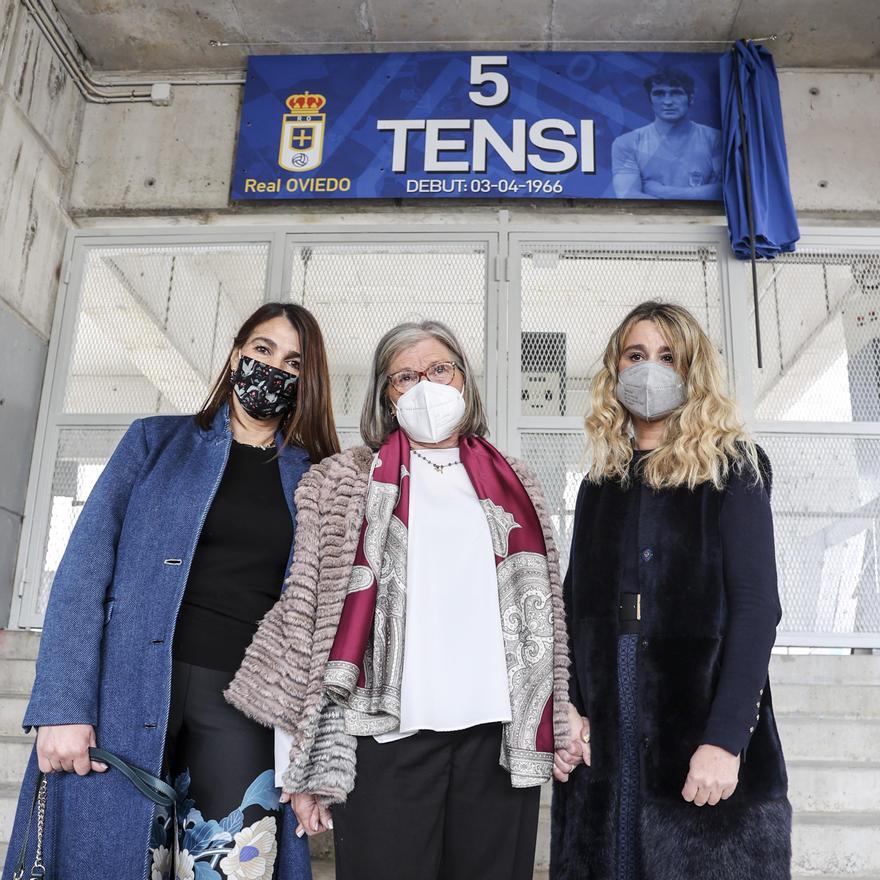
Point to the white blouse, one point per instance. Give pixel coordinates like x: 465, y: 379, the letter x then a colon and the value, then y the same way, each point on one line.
x: 454, y: 667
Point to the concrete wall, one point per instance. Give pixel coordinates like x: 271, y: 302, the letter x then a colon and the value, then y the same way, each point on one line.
x: 141, y: 158
x: 22, y: 363
x: 40, y: 120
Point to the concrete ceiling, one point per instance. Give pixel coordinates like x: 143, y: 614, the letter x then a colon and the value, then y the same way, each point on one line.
x: 154, y: 35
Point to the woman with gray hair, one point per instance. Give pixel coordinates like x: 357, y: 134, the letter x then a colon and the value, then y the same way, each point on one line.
x: 416, y: 667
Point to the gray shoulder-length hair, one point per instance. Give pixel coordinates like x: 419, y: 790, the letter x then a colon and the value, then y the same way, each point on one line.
x: 377, y: 422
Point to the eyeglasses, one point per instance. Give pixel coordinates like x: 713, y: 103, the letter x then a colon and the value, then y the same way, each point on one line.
x: 442, y: 373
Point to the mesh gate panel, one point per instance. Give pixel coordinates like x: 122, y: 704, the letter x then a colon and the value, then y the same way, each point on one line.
x: 360, y: 291
x: 558, y: 459
x: 81, y: 455
x: 572, y: 299
x: 349, y: 437
x: 155, y: 324
x: 826, y: 510
x: 820, y: 338
x: 826, y: 505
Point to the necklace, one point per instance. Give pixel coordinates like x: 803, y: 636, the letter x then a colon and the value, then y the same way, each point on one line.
x: 437, y: 467
x: 269, y: 445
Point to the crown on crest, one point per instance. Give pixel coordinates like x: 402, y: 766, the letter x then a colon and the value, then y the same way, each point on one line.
x: 304, y: 102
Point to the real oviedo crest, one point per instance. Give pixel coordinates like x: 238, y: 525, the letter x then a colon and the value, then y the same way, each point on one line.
x: 302, y: 133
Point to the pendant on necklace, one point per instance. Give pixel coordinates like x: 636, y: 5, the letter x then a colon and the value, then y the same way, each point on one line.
x: 437, y: 467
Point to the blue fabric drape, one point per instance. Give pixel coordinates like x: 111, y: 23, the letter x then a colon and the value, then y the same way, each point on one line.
x: 775, y: 222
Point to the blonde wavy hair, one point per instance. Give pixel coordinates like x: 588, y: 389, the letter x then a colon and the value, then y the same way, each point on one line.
x: 704, y: 438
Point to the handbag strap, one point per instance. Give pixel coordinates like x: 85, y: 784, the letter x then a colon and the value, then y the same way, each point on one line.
x: 158, y: 791
x: 39, y: 792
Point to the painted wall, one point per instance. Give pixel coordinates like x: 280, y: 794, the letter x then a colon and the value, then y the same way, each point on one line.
x: 40, y: 120
x: 22, y: 364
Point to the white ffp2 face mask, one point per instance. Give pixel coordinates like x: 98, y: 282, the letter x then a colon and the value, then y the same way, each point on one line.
x: 650, y: 390
x: 430, y: 412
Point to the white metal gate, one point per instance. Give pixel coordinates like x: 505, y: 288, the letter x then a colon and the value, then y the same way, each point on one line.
x: 144, y: 322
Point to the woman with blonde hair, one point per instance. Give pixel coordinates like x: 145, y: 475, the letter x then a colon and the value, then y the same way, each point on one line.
x: 672, y: 606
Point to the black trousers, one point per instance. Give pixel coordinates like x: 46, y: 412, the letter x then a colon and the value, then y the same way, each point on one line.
x: 436, y: 806
x: 223, y: 750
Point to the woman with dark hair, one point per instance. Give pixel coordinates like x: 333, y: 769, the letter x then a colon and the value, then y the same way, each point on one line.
x: 180, y: 549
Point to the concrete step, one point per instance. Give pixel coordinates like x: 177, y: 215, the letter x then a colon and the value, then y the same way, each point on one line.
x: 8, y: 802
x: 19, y: 644
x: 823, y: 738
x: 836, y: 843
x: 851, y: 701
x: 860, y: 669
x: 832, y: 786
x: 15, y: 752
x: 17, y: 675
x: 542, y: 847
x: 831, y: 846
x: 323, y: 869
x: 12, y: 708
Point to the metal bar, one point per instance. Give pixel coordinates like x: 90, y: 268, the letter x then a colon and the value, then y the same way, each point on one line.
x: 827, y: 640
x: 868, y: 430
x: 222, y: 44
x: 747, y: 173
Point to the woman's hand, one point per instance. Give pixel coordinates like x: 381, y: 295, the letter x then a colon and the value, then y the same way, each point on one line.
x: 65, y: 747
x: 312, y: 817
x: 578, y: 749
x: 713, y: 776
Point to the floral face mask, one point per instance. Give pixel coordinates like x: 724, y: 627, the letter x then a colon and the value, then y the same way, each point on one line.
x: 264, y: 391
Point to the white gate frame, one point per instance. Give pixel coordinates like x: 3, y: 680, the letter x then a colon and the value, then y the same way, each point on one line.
x: 503, y: 240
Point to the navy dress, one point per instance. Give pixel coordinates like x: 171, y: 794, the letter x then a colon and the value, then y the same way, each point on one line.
x: 627, y: 696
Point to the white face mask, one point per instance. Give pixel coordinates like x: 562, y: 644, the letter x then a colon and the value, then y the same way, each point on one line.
x: 430, y: 412
x: 650, y: 390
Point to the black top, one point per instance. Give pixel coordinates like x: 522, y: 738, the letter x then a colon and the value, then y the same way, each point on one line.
x: 239, y: 564
x: 747, y: 547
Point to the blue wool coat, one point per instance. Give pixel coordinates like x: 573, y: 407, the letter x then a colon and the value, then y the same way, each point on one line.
x: 105, y: 656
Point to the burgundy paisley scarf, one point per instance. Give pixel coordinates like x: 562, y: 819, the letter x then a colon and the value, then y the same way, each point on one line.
x: 365, y: 667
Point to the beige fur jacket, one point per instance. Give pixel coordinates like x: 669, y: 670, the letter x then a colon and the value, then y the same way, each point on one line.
x: 281, y: 680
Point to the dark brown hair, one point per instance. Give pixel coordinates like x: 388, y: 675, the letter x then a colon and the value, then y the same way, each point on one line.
x: 311, y: 426
x: 670, y: 76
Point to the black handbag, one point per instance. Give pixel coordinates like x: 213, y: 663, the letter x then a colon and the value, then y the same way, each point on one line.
x: 156, y: 790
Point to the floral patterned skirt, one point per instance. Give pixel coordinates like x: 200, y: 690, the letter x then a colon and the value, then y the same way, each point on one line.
x: 215, y: 849
x: 220, y: 764
x: 629, y: 806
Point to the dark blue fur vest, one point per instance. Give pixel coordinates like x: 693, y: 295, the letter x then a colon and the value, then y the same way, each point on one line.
x: 680, y: 649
